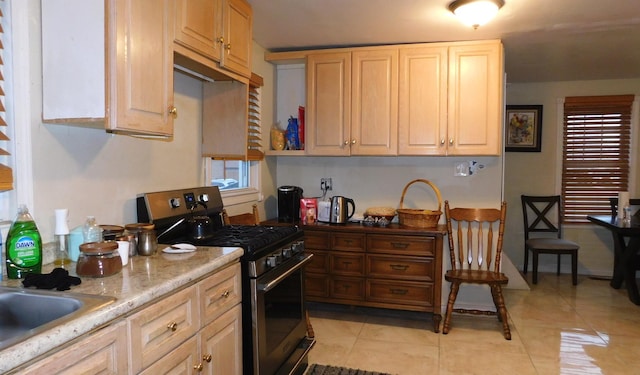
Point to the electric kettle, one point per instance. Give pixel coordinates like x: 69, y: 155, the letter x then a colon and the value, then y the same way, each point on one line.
x: 340, y: 210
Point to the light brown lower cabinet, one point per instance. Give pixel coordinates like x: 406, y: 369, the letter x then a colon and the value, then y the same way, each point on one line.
x: 197, y: 330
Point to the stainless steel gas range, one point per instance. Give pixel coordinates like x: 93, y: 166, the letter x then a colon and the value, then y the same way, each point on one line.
x: 273, y: 308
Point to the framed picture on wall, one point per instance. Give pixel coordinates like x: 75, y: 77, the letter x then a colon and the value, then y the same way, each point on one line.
x: 523, y: 130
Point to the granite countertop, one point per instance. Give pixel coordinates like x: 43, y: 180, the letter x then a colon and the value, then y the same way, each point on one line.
x: 142, y: 280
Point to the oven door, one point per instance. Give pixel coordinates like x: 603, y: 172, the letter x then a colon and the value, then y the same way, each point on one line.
x: 279, y: 323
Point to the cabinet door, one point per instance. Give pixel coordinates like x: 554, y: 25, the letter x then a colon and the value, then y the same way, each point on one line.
x: 140, y: 66
x: 475, y: 98
x: 199, y: 25
x: 162, y: 326
x: 374, y: 103
x: 183, y: 360
x: 104, y: 352
x: 221, y: 344
x: 422, y: 128
x: 328, y: 112
x: 237, y: 36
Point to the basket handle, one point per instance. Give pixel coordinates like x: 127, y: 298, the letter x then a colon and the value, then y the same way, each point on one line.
x: 434, y: 187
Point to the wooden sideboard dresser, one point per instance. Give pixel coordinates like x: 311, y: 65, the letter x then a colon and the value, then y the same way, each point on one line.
x: 394, y: 267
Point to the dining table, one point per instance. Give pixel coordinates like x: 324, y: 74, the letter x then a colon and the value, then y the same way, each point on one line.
x: 626, y: 244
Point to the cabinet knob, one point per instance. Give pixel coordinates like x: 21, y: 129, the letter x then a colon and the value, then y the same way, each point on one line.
x: 207, y: 357
x: 220, y: 40
x: 199, y: 367
x: 346, y: 143
x: 172, y: 326
x: 227, y: 46
x: 442, y: 141
x: 353, y: 141
x: 173, y: 111
x: 451, y: 141
x: 226, y: 294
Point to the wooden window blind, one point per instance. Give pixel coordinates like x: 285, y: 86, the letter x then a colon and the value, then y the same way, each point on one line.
x: 596, y: 152
x: 6, y: 174
x: 254, y: 141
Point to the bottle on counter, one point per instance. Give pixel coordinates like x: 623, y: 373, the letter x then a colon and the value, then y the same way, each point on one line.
x: 61, y: 238
x: 24, y: 246
x: 91, y: 231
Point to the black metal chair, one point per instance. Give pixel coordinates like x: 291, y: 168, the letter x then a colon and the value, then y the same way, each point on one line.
x: 543, y: 217
x: 614, y: 204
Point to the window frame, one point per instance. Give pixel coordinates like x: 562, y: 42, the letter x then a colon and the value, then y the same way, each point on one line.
x: 634, y: 146
x: 243, y: 195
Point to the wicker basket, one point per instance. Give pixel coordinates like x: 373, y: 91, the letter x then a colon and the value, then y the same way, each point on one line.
x: 418, y: 218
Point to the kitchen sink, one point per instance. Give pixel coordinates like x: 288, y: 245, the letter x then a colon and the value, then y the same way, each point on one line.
x: 25, y: 313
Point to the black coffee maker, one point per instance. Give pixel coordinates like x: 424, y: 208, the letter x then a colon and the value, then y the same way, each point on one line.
x: 289, y: 204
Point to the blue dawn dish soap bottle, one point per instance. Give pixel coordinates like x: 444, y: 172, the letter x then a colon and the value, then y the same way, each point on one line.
x: 24, y: 246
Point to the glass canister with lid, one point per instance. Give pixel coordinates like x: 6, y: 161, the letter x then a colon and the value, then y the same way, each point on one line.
x: 99, y: 259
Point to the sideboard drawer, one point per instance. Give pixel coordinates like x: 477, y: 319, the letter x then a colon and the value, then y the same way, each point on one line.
x: 348, y: 264
x: 347, y: 288
x: 316, y: 285
x: 400, y: 292
x: 316, y: 240
x: 348, y: 241
x: 403, y: 245
x: 319, y: 263
x: 400, y: 268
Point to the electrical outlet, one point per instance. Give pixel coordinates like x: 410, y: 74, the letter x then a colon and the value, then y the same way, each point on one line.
x: 326, y: 184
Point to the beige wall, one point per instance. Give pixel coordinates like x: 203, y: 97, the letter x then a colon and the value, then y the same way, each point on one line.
x: 539, y: 173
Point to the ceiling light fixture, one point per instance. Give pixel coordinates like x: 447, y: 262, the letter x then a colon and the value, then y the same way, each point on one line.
x: 475, y: 12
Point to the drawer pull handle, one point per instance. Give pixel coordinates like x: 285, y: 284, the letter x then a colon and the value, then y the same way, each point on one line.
x: 226, y: 294
x: 399, y: 267
x: 401, y: 292
x: 207, y: 357
x: 346, y: 263
x: 348, y: 241
x: 199, y: 367
x: 172, y: 326
x: 399, y: 245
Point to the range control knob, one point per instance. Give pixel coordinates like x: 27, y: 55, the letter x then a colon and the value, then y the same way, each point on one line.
x: 174, y: 202
x: 298, y: 247
x: 272, y: 261
x: 287, y: 252
x: 204, y: 198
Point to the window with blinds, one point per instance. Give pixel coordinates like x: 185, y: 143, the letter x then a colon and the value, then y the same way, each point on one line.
x: 596, y: 152
x: 6, y: 174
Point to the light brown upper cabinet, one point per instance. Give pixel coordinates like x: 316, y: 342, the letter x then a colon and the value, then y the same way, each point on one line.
x: 328, y: 112
x: 137, y: 78
x: 140, y: 63
x: 417, y: 99
x: 451, y: 99
x: 219, y: 30
x: 352, y: 103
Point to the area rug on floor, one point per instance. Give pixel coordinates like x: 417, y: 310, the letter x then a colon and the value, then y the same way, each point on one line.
x: 315, y: 369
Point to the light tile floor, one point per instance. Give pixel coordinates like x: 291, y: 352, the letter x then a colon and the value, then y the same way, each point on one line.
x: 556, y: 328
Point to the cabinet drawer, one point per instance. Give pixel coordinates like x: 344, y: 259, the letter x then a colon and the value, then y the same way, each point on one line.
x: 348, y: 241
x: 219, y: 293
x: 347, y: 264
x: 347, y: 288
x: 178, y: 361
x: 162, y: 326
x: 319, y: 263
x: 404, y: 245
x: 105, y: 352
x: 402, y: 268
x: 400, y: 292
x: 316, y: 285
x: 316, y: 240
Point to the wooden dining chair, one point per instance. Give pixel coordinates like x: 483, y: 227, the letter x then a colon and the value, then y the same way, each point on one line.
x: 249, y: 218
x: 543, y: 233
x: 475, y: 258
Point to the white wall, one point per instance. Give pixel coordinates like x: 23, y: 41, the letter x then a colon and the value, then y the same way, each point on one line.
x: 538, y: 173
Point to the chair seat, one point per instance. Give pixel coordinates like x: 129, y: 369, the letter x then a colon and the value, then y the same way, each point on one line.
x: 555, y: 244
x: 476, y: 276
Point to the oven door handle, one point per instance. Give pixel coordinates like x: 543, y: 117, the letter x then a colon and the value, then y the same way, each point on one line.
x: 267, y: 286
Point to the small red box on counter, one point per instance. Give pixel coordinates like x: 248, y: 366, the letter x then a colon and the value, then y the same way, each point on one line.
x: 308, y: 210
